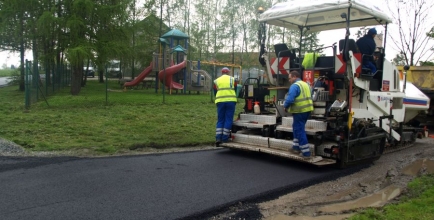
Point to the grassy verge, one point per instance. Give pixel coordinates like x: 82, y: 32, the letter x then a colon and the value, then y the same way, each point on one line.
x: 131, y: 120
x: 7, y: 72
x: 417, y: 203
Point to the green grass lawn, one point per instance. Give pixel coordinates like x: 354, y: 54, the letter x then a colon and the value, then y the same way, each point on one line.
x: 7, y: 72
x: 417, y: 203
x: 130, y: 120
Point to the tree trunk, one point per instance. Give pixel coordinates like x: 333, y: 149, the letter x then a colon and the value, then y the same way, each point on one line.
x: 22, y: 70
x: 35, y: 69
x: 76, y: 77
x: 101, y: 75
x: 22, y: 87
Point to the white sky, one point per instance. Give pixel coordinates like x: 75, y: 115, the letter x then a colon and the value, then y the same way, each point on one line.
x: 10, y: 59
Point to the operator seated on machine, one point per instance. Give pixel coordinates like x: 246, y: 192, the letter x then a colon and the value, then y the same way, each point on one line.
x: 366, y: 45
x: 320, y: 83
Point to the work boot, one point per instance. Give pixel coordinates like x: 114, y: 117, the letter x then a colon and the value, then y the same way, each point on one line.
x: 217, y: 143
x: 295, y: 150
x: 306, y: 155
x: 227, y: 140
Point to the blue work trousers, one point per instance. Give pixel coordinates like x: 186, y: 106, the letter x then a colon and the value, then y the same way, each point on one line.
x: 370, y: 65
x: 225, y: 117
x: 300, y: 138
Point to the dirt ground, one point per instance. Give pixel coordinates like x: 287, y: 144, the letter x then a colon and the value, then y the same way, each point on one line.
x: 381, y: 183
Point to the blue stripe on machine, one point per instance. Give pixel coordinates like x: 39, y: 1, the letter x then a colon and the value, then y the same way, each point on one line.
x: 415, y: 102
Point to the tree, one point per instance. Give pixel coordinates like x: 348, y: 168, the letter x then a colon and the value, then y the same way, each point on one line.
x: 96, y: 30
x: 431, y: 34
x: 427, y: 63
x: 75, y: 31
x: 311, y: 43
x: 199, y: 31
x: 410, y: 38
x: 399, y: 60
x: 14, y: 30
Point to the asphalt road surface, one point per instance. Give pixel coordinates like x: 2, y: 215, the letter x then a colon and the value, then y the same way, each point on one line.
x: 185, y: 185
x: 4, y: 81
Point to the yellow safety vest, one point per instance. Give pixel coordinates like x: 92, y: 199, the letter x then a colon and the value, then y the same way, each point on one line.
x: 303, y: 102
x: 225, y: 89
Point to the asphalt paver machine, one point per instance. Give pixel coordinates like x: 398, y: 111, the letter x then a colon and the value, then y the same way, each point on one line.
x: 357, y: 115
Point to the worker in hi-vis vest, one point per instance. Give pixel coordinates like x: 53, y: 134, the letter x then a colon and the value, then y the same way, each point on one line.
x: 225, y: 87
x: 300, y: 105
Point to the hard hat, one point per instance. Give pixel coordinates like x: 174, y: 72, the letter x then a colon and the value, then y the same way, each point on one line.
x: 225, y: 70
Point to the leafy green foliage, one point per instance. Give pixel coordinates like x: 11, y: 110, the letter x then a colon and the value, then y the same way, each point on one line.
x: 431, y: 33
x: 73, y: 31
x: 399, y: 60
x: 427, y: 63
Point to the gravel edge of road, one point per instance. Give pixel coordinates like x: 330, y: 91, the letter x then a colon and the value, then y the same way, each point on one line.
x: 9, y: 148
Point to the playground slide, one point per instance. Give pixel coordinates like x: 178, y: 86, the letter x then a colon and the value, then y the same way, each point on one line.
x: 140, y: 77
x: 169, y: 73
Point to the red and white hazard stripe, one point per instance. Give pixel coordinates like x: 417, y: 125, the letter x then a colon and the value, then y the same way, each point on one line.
x: 282, y: 67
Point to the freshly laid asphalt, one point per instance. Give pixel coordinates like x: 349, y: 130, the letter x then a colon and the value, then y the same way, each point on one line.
x: 189, y: 185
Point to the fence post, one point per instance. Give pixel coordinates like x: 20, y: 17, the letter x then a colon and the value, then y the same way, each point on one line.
x: 27, y: 89
x: 106, y: 86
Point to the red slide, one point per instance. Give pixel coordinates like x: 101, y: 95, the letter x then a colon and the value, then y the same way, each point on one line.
x: 140, y: 77
x: 169, y: 73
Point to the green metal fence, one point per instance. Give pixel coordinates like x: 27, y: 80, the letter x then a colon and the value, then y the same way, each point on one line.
x: 103, y: 90
x: 39, y: 84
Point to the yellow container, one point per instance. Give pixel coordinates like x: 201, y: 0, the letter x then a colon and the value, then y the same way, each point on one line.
x: 420, y: 76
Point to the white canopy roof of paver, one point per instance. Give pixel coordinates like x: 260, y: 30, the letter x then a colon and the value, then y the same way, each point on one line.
x: 321, y: 15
